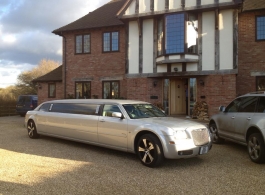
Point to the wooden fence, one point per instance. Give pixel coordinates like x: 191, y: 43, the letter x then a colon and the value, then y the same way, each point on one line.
x: 8, y: 111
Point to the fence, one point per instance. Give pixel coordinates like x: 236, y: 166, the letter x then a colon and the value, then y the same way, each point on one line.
x: 7, y: 111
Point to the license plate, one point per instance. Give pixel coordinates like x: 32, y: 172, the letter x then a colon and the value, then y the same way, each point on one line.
x: 204, y: 149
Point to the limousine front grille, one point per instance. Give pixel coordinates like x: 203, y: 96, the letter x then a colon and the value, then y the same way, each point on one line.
x: 200, y: 136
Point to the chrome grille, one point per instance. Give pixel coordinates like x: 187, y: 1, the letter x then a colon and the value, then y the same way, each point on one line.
x: 200, y: 136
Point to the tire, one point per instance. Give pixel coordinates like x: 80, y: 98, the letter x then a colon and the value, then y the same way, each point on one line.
x: 256, y: 148
x: 32, y: 130
x: 149, y: 150
x: 215, y: 137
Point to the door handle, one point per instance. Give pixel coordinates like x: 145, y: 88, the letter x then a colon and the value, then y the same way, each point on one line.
x: 232, y: 117
x: 249, y: 118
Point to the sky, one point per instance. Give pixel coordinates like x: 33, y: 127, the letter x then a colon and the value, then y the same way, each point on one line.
x: 26, y: 32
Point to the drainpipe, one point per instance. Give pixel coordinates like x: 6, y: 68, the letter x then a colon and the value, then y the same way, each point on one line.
x: 64, y: 64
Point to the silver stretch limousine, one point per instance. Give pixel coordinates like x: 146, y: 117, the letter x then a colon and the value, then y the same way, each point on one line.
x: 127, y: 125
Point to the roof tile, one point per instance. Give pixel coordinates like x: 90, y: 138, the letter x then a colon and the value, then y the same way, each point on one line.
x: 104, y: 16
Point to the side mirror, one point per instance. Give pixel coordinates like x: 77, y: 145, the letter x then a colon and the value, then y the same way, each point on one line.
x: 222, y: 108
x: 117, y: 115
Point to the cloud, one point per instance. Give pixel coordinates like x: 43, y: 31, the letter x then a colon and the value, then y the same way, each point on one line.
x: 26, y: 26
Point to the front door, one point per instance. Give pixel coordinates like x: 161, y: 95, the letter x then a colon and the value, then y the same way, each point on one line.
x: 177, y: 97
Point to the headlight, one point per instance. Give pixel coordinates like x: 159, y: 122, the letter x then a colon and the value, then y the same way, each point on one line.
x: 181, y: 134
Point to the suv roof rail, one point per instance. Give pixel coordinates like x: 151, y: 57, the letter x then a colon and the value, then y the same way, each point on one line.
x: 257, y: 92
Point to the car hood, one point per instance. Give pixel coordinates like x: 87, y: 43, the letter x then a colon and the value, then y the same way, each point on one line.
x: 174, y: 123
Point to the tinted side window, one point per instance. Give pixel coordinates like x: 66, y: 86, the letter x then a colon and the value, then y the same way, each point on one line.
x: 75, y: 108
x: 233, y: 106
x: 45, y: 107
x: 248, y: 104
x: 261, y: 105
x: 109, y: 109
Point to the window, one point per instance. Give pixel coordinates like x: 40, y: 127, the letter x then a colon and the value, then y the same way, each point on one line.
x: 248, y: 104
x: 45, y: 107
x: 111, y: 89
x: 160, y: 35
x: 76, y: 108
x: 110, y: 41
x: 233, y: 106
x: 177, y: 33
x: 261, y: 105
x: 51, y: 90
x: 109, y: 109
x: 260, y: 28
x: 82, y: 90
x: 82, y: 44
x: 260, y: 83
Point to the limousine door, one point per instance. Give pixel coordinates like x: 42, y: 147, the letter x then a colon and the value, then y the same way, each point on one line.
x: 112, y: 131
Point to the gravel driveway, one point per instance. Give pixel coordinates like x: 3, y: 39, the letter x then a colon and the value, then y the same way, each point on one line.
x: 53, y: 166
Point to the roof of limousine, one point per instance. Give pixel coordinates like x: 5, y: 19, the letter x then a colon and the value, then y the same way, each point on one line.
x: 98, y: 101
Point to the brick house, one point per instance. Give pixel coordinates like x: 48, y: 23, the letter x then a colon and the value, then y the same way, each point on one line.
x: 125, y: 49
x: 93, y: 57
x: 251, y: 47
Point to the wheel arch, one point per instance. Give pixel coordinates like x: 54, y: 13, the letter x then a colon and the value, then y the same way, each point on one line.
x: 252, y: 130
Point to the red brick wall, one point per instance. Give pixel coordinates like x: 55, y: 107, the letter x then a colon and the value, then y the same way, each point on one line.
x: 218, y: 90
x: 43, y: 92
x: 251, y: 54
x: 143, y: 88
x: 95, y: 67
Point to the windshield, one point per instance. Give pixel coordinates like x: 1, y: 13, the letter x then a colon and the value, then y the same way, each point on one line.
x: 136, y: 111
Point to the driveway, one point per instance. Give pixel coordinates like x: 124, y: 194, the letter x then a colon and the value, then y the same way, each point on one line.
x: 53, y: 166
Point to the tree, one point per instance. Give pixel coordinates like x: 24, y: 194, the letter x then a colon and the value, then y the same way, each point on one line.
x: 24, y: 81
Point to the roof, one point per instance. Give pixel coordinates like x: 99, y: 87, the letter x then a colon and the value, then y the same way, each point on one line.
x: 250, y: 5
x: 104, y: 16
x: 99, y: 101
x: 54, y: 75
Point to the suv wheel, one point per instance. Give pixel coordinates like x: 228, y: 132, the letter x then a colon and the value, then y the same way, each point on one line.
x: 256, y: 148
x: 215, y: 137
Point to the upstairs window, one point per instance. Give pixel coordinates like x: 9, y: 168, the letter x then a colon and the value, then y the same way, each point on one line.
x: 82, y: 44
x: 175, y: 33
x: 260, y: 28
x: 110, y: 41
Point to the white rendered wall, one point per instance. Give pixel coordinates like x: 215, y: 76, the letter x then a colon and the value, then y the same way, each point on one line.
x: 191, y: 67
x: 174, y: 4
x: 190, y: 3
x: 162, y: 68
x: 225, y: 1
x: 208, y: 41
x: 148, y: 45
x: 131, y: 9
x: 226, y: 39
x: 144, y: 6
x: 159, y: 5
x: 206, y: 2
x: 133, y: 50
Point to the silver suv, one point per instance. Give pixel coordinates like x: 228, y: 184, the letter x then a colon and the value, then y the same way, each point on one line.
x: 243, y: 122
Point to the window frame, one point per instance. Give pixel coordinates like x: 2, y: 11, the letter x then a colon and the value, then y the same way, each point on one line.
x: 83, y: 82
x: 110, y: 88
x: 257, y: 78
x: 111, y: 39
x: 83, y: 45
x: 256, y: 28
x: 49, y: 92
